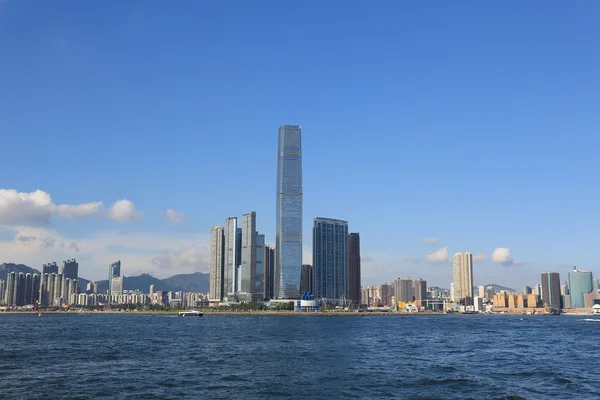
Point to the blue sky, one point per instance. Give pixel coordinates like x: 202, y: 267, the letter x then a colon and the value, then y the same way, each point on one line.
x: 476, y: 124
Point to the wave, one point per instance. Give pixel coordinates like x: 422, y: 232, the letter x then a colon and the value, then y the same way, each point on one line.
x: 592, y: 319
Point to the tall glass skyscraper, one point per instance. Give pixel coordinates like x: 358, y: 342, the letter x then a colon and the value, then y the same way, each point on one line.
x: 230, y: 267
x: 248, y: 266
x: 580, y: 284
x: 551, y: 289
x: 217, y: 241
x: 288, y: 230
x: 114, y: 270
x: 330, y: 259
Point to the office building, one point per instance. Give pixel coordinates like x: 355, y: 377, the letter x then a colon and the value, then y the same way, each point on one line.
x: 596, y: 285
x: 330, y: 260
x: 288, y: 229
x: 259, y: 281
x: 70, y: 269
x: 50, y: 268
x: 230, y: 266
x: 114, y: 270
x: 306, y: 279
x: 387, y: 294
x: 247, y: 274
x: 403, y: 290
x: 217, y: 262
x: 490, y: 293
x: 551, y: 289
x: 580, y: 284
x: 526, y: 290
x: 354, y: 268
x: 419, y: 291
x: 462, y: 273
x: 538, y: 291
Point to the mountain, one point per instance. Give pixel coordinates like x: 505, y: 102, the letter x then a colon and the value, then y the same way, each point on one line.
x: 7, y: 268
x: 195, y: 282
x: 498, y: 288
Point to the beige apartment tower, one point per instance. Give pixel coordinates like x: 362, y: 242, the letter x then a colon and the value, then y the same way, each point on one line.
x: 217, y: 253
x: 462, y: 273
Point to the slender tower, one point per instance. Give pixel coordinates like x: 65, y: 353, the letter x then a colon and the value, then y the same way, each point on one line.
x: 217, y: 239
x: 288, y: 230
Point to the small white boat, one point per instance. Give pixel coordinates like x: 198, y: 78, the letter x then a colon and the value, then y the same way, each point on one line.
x: 596, y: 309
x: 190, y: 313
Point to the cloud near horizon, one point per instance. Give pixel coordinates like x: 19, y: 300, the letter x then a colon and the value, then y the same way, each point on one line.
x: 501, y: 255
x: 174, y: 217
x: 438, y: 256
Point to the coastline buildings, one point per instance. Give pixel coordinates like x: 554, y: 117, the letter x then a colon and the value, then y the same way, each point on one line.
x: 551, y: 289
x: 259, y: 280
x: 354, y: 294
x: 580, y: 284
x: 462, y: 272
x: 114, y: 270
x: 269, y: 291
x: 217, y: 249
x: 50, y: 268
x: 330, y: 260
x: 288, y: 229
x: 306, y: 279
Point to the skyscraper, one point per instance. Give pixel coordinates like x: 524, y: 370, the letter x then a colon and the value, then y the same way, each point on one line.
x: 330, y: 259
x: 259, y: 282
x: 354, y: 294
x: 580, y: 284
x: 114, y: 270
x: 404, y: 290
x: 420, y: 290
x: 551, y: 289
x: 11, y: 283
x: 462, y: 273
x: 217, y: 248
x: 70, y: 269
x: 231, y: 257
x: 2, y: 286
x: 269, y: 292
x: 248, y: 265
x: 288, y: 229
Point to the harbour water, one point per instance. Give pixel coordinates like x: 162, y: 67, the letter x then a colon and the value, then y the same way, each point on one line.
x: 247, y: 357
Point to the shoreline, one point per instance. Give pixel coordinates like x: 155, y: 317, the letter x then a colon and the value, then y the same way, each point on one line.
x: 271, y: 313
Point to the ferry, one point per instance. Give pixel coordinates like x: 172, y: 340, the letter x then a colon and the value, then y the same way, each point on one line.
x: 190, y: 313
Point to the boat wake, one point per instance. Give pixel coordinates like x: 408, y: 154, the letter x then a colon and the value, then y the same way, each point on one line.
x: 592, y: 319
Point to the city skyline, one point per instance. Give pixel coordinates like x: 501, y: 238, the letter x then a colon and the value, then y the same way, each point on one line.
x: 382, y: 118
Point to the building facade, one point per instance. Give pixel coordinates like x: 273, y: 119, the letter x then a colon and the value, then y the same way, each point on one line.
x: 306, y: 279
x: 288, y: 229
x: 248, y: 266
x: 330, y: 259
x: 462, y: 274
x: 259, y: 281
x: 354, y: 294
x: 551, y: 296
x: 217, y: 252
x: 580, y: 284
x: 70, y: 269
x: 230, y: 268
x: 114, y: 270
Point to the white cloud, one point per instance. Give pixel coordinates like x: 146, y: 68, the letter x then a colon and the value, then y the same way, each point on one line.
x: 502, y: 256
x: 37, y: 208
x: 174, y: 217
x: 479, y: 257
x: 431, y: 240
x: 81, y: 210
x: 437, y: 257
x: 123, y: 210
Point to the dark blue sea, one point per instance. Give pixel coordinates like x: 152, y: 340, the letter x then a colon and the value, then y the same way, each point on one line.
x: 264, y: 357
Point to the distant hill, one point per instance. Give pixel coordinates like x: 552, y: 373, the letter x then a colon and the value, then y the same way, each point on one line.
x: 498, y: 288
x: 7, y: 268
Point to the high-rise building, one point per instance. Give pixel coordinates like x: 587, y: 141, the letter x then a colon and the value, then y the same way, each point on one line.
x: 481, y: 291
x: 306, y: 279
x: 248, y: 265
x: 2, y: 291
x: 217, y: 259
x: 330, y: 259
x: 288, y: 229
x: 259, y: 281
x: 114, y: 270
x: 269, y: 292
x: 231, y: 257
x: 50, y: 268
x: 11, y: 283
x: 527, y: 290
x: 420, y: 290
x: 403, y: 289
x: 462, y: 272
x: 596, y: 285
x: 489, y: 292
x: 580, y: 284
x: 70, y: 269
x: 387, y: 292
x: 151, y: 290
x: 116, y: 285
x: 354, y: 294
x: 551, y: 289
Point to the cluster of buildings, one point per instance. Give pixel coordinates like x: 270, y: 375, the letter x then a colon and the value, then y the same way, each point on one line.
x: 243, y: 268
x: 50, y: 288
x: 580, y: 290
